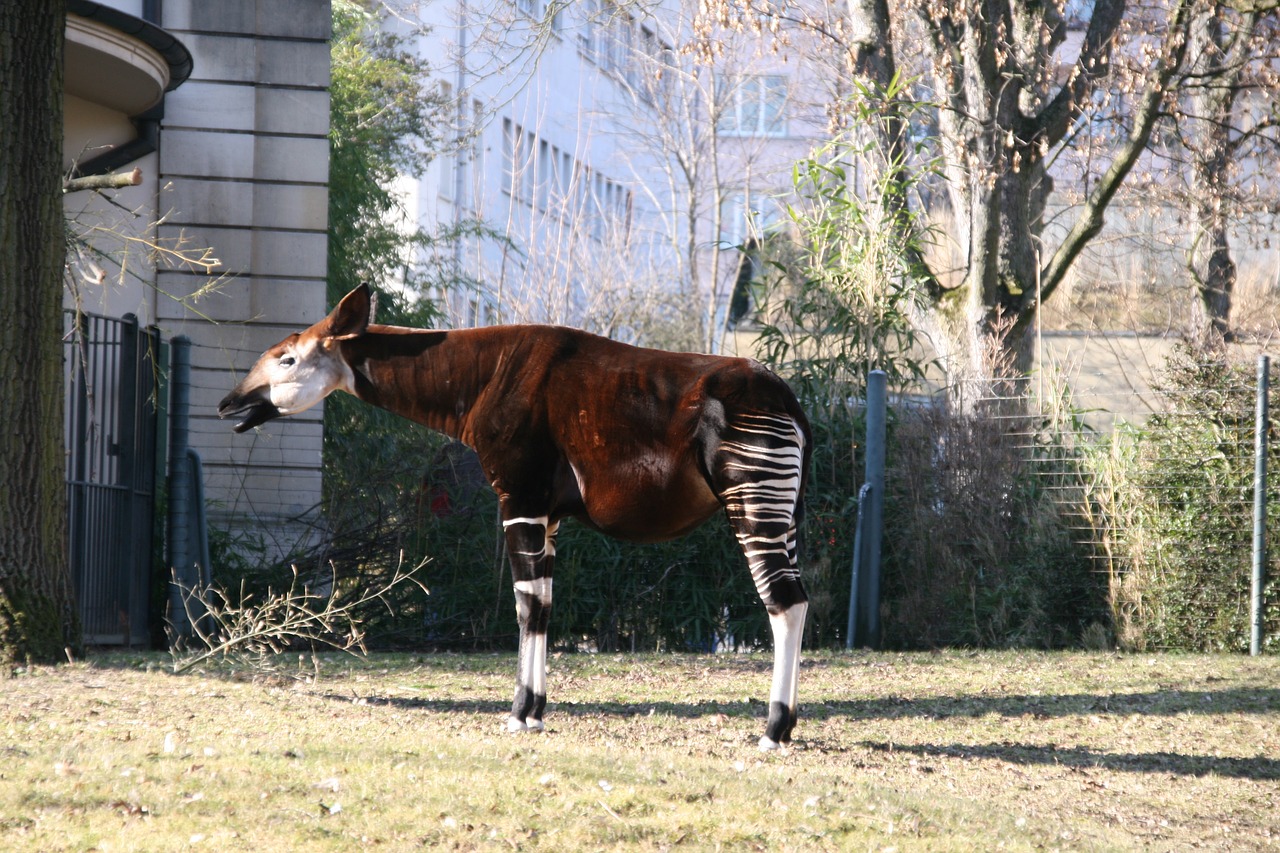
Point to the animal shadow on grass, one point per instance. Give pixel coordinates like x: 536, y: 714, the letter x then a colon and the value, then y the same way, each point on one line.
x: 1230, y: 702
x: 1167, y: 703
x: 748, y: 709
x: 1235, y: 701
x: 1259, y: 768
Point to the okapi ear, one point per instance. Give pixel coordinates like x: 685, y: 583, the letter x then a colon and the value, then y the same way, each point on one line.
x: 352, y: 315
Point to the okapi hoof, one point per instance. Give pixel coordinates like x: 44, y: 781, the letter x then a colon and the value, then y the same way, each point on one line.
x: 777, y: 731
x: 514, y: 725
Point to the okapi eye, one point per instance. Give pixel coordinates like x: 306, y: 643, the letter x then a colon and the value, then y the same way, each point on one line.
x: 286, y: 361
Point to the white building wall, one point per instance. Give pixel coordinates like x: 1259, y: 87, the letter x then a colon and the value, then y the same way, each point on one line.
x: 554, y: 100
x: 242, y: 171
x: 564, y: 94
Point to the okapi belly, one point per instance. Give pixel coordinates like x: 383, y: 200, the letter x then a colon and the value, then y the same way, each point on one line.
x: 637, y: 508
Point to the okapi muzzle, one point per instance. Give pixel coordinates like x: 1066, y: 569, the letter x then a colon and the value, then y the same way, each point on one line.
x: 640, y: 444
x: 253, y: 408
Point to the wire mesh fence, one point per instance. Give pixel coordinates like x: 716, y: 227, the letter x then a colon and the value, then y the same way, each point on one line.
x: 1148, y: 481
x: 1104, y: 501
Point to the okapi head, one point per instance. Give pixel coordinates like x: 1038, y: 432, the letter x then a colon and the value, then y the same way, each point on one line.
x: 301, y: 370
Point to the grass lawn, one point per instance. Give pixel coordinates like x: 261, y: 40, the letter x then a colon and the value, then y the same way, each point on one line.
x: 949, y: 751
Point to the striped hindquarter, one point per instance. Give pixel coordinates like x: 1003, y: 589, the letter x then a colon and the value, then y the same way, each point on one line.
x: 760, y: 471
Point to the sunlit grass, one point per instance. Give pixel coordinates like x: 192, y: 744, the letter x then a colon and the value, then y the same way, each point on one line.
x: 954, y: 751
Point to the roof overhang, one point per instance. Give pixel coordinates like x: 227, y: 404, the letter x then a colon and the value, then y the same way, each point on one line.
x: 119, y: 61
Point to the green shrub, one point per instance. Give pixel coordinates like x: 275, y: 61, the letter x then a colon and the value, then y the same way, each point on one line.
x: 837, y: 306
x: 1188, y: 504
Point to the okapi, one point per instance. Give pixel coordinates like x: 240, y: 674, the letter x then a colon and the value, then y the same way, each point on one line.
x: 640, y: 444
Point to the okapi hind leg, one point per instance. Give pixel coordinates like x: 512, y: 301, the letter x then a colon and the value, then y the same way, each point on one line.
x: 760, y: 470
x: 531, y: 545
x: 788, y: 630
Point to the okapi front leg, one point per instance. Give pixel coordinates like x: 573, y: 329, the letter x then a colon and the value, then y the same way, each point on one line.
x: 531, y: 545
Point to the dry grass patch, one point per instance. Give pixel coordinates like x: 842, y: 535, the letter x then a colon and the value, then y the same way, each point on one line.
x: 954, y: 751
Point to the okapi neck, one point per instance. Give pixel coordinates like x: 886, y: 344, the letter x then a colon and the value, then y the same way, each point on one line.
x: 431, y: 377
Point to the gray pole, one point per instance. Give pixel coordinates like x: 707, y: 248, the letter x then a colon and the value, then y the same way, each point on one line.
x: 851, y: 629
x: 1259, y: 506
x: 181, y: 560
x: 869, y: 571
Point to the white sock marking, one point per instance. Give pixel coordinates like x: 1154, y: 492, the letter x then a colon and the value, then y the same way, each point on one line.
x: 541, y: 521
x: 788, y: 630
x: 539, y: 588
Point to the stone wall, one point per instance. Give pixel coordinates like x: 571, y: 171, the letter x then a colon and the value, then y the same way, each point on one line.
x: 244, y: 161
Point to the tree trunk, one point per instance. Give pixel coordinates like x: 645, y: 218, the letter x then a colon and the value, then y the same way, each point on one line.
x: 1212, y: 104
x: 37, y: 604
x: 1008, y: 102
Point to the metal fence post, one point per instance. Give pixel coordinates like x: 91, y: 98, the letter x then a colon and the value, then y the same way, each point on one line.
x: 851, y: 628
x: 1259, y: 507
x: 868, y: 579
x: 134, y: 556
x: 181, y: 561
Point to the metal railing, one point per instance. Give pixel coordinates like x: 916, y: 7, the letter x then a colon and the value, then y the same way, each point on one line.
x: 113, y: 381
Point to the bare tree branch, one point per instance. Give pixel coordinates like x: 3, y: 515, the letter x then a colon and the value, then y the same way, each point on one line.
x: 225, y: 626
x: 102, y: 182
x: 1092, y: 65
x: 1092, y: 217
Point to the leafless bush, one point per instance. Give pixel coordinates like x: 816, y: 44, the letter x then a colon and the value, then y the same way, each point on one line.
x: 240, y: 626
x: 981, y: 549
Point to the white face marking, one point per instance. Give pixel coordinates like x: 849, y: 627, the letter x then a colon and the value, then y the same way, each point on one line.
x: 299, y: 372
x: 302, y: 374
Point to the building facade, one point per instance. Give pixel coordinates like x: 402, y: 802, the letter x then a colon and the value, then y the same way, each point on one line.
x: 224, y: 242
x: 604, y: 173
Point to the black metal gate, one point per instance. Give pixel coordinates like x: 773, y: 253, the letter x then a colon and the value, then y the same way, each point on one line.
x: 114, y: 371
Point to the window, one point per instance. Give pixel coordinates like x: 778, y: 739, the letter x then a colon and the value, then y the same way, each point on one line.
x: 537, y: 10
x: 451, y: 160
x: 653, y: 67
x: 745, y: 215
x: 565, y: 175
x: 615, y: 44
x: 589, y: 31
x: 755, y: 106
x: 472, y: 188
x: 510, y: 171
x: 519, y: 147
x: 549, y: 179
x: 621, y: 44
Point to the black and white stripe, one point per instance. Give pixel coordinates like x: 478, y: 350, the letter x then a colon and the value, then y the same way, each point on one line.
x: 760, y: 461
x: 762, y: 455
x: 532, y: 545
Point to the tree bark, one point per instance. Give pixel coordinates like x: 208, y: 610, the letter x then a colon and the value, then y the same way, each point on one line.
x: 37, y: 604
x: 1219, y: 55
x: 1007, y: 104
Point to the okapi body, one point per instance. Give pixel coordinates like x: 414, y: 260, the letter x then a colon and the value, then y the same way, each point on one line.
x: 640, y: 444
